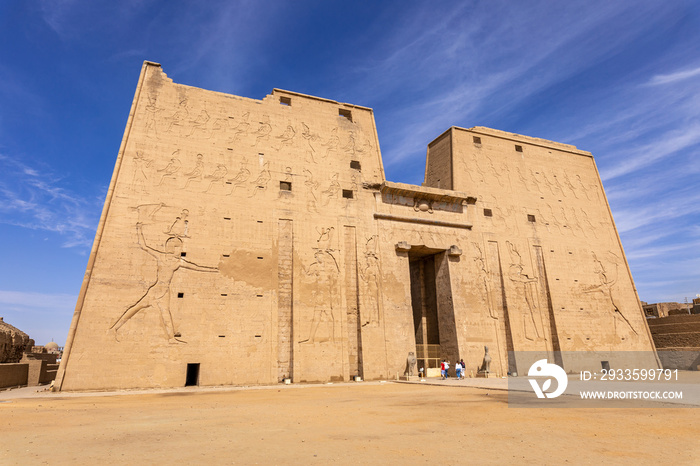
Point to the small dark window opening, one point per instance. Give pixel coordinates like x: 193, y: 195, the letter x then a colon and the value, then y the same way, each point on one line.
x: 259, y: 257
x: 227, y: 218
x: 285, y: 185
x: 227, y: 255
x: 488, y: 213
x: 518, y: 148
x: 192, y: 379
x: 222, y: 336
x: 183, y: 254
x: 345, y: 113
x: 181, y: 295
x: 530, y: 218
x: 347, y: 193
x: 259, y: 221
x: 355, y: 164
x: 605, y: 365
x: 477, y: 140
x: 286, y: 101
x: 224, y: 294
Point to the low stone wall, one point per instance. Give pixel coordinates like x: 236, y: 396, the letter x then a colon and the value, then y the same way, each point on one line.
x: 13, y: 375
x: 48, y: 375
x: 677, y: 340
x: 50, y: 358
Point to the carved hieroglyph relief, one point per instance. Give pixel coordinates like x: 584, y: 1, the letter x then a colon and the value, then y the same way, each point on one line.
x: 526, y: 287
x: 241, y: 129
x: 198, y: 126
x: 179, y: 227
x: 278, y: 282
x: 323, y: 274
x: 152, y: 110
x: 312, y: 187
x: 168, y: 261
x: 216, y: 179
x: 260, y: 183
x: 196, y: 174
x: 241, y: 177
x: 369, y: 274
x: 140, y: 177
x: 170, y: 171
x: 262, y: 134
x: 178, y: 120
x: 311, y: 140
x: 332, y: 191
x: 607, y: 278
x: 286, y: 139
x: 331, y: 145
x: 489, y: 300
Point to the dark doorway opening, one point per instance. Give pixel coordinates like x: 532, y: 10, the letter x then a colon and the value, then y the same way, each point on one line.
x: 433, y: 312
x: 192, y: 375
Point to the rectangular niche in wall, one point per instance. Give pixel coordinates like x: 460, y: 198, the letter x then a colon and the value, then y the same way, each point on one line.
x: 192, y: 378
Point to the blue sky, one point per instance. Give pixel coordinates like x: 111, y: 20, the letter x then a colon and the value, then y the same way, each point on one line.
x: 618, y: 78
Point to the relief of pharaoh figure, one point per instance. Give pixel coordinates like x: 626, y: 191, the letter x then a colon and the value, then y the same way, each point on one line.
x: 528, y: 286
x: 158, y: 294
x: 324, y: 275
x: 607, y: 281
x: 370, y: 276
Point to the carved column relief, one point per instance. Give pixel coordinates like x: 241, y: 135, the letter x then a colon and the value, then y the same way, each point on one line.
x: 285, y: 347
x: 353, y: 305
x: 369, y: 275
x: 525, y: 291
x: 322, y: 275
x: 493, y: 260
x: 546, y: 297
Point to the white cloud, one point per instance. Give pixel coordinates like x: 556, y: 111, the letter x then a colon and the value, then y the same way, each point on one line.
x: 32, y: 199
x: 660, y: 79
x: 661, y: 147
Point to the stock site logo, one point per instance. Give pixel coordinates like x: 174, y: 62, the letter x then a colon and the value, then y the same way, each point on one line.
x: 542, y: 368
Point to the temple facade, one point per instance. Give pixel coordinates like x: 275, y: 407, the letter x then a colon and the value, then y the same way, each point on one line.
x: 249, y: 241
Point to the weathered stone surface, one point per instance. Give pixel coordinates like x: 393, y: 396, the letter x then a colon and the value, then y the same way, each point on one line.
x: 13, y: 343
x: 244, y: 241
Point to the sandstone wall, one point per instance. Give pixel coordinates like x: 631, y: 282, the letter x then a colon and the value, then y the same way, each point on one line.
x: 554, y: 272
x: 13, y: 375
x: 253, y: 240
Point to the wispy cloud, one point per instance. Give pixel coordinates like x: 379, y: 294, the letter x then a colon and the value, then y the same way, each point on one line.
x: 667, y: 144
x: 676, y: 76
x: 34, y: 199
x: 467, y: 68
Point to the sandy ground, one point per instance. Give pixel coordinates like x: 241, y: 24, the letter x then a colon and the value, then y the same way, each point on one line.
x: 365, y: 423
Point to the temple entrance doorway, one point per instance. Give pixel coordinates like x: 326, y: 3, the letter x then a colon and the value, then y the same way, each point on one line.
x: 433, y: 312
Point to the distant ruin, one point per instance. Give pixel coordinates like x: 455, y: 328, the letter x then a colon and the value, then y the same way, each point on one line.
x: 13, y: 343
x: 21, y: 362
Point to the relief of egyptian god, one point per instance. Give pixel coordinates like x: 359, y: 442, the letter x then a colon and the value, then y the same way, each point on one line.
x: 323, y: 276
